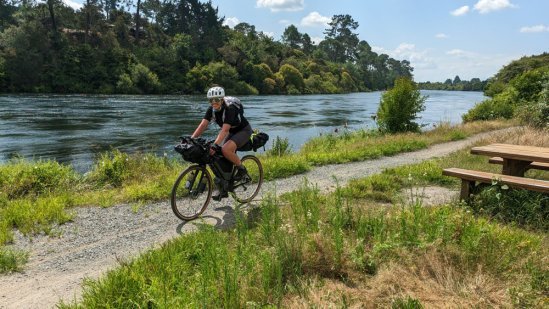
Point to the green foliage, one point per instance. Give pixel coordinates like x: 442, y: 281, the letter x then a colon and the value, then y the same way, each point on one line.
x: 525, y: 208
x: 306, y: 235
x: 475, y: 84
x: 22, y: 178
x: 281, y: 147
x: 530, y: 84
x: 536, y: 113
x: 179, y: 49
x: 399, y: 107
x: 406, y: 303
x: 11, y: 261
x: 292, y: 78
x: 116, y: 168
x: 347, y: 83
x: 513, y: 70
x: 501, y: 106
x: 111, y: 168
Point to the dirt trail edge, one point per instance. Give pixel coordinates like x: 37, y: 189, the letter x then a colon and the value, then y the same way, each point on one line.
x: 99, y: 238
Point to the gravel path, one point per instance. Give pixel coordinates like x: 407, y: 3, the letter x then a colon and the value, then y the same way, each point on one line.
x: 99, y: 238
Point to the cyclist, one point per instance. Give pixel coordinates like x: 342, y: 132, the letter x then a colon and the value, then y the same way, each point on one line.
x: 235, y: 131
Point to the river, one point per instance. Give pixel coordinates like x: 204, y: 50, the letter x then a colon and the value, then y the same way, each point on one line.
x: 72, y: 129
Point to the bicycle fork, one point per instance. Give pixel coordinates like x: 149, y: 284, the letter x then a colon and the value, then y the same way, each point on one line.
x: 190, y: 183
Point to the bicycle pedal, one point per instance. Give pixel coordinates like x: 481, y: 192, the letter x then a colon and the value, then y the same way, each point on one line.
x: 220, y: 196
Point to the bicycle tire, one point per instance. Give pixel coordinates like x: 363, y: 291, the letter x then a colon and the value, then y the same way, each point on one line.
x: 189, y: 198
x: 254, y: 180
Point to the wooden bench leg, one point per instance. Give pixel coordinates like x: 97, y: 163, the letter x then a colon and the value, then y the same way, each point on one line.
x: 466, y: 189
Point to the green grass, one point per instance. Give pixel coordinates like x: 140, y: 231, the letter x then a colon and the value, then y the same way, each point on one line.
x: 37, y: 195
x: 11, y: 260
x: 274, y: 249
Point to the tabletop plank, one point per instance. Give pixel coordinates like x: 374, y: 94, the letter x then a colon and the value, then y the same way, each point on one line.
x: 514, y: 152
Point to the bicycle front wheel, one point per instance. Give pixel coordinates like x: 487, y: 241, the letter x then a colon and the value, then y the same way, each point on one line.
x: 191, y: 193
x: 247, y: 188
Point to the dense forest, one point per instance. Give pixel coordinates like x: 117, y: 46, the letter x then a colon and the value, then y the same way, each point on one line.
x: 475, y: 84
x: 177, y: 46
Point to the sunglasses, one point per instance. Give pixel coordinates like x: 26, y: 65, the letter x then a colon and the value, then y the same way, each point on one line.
x: 215, y: 100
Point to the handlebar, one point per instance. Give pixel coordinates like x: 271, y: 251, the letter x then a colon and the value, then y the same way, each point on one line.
x: 199, y: 141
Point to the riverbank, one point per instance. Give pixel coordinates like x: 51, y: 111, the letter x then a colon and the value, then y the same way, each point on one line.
x: 99, y: 239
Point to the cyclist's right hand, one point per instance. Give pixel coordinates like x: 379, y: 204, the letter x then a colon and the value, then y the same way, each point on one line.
x: 214, y: 148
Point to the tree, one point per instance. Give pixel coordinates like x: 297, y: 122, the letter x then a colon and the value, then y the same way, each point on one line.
x: 456, y: 81
x: 341, y: 43
x: 307, y: 44
x: 6, y: 14
x: 292, y: 37
x: 399, y: 107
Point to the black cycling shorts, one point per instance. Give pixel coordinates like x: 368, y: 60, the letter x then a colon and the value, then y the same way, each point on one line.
x: 241, y: 137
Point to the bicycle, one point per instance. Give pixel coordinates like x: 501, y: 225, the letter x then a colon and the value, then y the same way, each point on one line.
x: 192, y: 190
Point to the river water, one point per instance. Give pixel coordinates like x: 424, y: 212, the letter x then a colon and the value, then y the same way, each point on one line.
x: 74, y: 128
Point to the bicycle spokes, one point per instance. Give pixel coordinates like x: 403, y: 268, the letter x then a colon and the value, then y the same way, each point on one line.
x: 191, y: 192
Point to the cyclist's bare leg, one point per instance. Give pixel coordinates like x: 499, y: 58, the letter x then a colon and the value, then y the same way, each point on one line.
x: 229, y: 152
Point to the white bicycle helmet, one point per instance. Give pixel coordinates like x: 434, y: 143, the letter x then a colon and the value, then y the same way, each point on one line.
x: 215, y: 92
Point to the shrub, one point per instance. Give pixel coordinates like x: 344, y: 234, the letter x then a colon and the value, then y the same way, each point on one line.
x: 281, y: 147
x: 139, y: 80
x: 292, y: 76
x: 111, y: 169
x: 144, y: 80
x: 347, y: 82
x: 526, y: 208
x: 21, y: 178
x: 241, y: 87
x: 537, y: 114
x: 501, y: 106
x: 399, y: 107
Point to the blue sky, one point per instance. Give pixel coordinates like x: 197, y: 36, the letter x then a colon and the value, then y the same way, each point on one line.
x: 441, y: 38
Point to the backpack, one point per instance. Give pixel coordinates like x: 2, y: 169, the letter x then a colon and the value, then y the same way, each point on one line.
x: 236, y: 102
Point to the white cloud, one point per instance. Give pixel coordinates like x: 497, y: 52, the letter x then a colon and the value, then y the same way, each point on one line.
x: 404, y: 48
x: 441, y: 36
x: 316, y: 40
x: 284, y: 22
x: 419, y: 59
x: 459, y: 53
x: 314, y: 19
x: 231, y: 22
x: 460, y: 11
x: 281, y: 5
x: 487, y: 6
x: 537, y: 28
x: 436, y: 65
x: 379, y: 50
x: 269, y: 34
x: 74, y: 5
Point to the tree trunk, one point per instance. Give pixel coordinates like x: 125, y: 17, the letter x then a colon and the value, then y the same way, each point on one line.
x: 88, y: 21
x: 52, y: 16
x: 137, y: 21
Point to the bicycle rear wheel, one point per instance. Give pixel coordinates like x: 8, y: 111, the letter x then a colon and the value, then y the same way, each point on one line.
x: 246, y: 189
x: 191, y: 192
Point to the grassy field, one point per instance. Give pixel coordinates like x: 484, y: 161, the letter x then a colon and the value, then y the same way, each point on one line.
x: 345, y: 249
x: 35, y: 196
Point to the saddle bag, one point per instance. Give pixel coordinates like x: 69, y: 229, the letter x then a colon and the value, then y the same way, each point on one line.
x: 257, y: 140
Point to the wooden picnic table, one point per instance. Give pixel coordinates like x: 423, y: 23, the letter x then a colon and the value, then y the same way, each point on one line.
x: 516, y: 158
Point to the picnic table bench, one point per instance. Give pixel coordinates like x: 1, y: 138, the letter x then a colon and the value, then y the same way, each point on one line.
x: 515, y: 160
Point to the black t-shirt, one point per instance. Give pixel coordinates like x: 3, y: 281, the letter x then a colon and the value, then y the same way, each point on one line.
x: 233, y: 116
